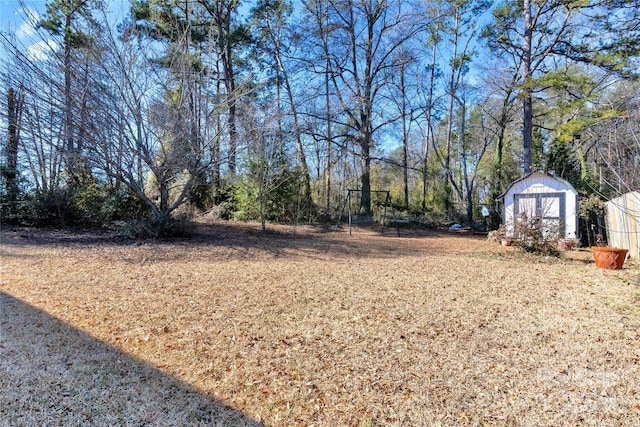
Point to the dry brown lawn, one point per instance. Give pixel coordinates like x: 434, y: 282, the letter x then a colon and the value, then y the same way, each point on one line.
x: 311, y: 327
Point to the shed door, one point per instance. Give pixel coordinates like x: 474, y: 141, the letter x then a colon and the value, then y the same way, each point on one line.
x: 546, y: 207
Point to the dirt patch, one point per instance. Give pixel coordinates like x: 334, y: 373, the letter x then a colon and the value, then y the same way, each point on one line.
x: 306, y: 326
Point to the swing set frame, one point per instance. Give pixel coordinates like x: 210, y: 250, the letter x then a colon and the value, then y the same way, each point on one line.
x: 387, y: 202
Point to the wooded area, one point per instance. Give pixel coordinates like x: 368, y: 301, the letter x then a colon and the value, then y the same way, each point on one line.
x: 271, y: 110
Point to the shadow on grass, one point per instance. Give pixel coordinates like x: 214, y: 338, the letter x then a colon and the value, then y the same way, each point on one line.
x: 238, y: 240
x: 54, y: 374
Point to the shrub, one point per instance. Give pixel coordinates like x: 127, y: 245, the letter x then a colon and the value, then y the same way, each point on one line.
x: 497, y: 235
x: 98, y: 204
x: 93, y: 205
x: 281, y: 196
x: 535, y: 236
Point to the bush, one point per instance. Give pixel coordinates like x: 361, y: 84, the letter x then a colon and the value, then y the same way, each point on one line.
x: 591, y: 215
x: 100, y: 204
x: 91, y: 205
x: 534, y: 236
x: 497, y: 235
x: 121, y: 205
x: 51, y: 208
x: 283, y: 198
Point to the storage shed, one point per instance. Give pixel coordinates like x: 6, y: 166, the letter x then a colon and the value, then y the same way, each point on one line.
x: 623, y: 223
x: 540, y: 196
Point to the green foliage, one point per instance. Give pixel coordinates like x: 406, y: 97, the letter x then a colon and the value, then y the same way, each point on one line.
x: 86, y: 203
x: 92, y: 205
x: 560, y: 159
x: 591, y: 213
x: 278, y: 199
x: 168, y: 21
x: 246, y: 206
x: 62, y: 19
x: 568, y: 163
x: 438, y: 198
x: 122, y: 204
x: 201, y: 194
x: 538, y: 149
x: 572, y: 128
x: 11, y: 191
x: 591, y: 207
x: 51, y: 208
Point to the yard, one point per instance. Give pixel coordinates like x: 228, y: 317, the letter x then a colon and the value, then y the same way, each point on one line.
x: 312, y: 327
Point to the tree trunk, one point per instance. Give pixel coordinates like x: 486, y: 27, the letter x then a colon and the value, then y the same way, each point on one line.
x: 429, y: 134
x: 496, y: 184
x: 527, y: 100
x: 365, y: 148
x: 70, y: 154
x: 366, y: 108
x: 365, y: 201
x: 11, y: 168
x: 327, y: 168
x: 223, y: 19
x: 468, y: 186
x: 216, y: 178
x: 302, y: 158
x: 231, y: 103
x: 453, y: 87
x: 405, y: 140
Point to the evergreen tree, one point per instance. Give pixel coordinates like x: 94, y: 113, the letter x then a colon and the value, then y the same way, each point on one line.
x: 74, y: 23
x: 536, y: 36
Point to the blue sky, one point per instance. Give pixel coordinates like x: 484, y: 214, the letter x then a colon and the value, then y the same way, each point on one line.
x: 13, y: 17
x: 19, y: 18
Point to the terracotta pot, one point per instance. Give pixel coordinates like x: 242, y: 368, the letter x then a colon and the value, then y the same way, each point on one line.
x: 507, y: 242
x: 609, y: 258
x: 565, y: 244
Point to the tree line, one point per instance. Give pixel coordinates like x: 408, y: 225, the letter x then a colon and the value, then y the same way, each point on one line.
x: 272, y: 110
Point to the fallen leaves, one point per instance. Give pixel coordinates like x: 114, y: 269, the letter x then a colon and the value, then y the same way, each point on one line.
x: 325, y: 329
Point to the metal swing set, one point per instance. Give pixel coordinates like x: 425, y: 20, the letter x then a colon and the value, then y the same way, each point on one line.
x: 355, y: 218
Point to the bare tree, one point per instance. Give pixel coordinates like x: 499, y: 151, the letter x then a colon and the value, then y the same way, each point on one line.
x: 369, y: 34
x: 609, y: 147
x: 460, y: 24
x: 72, y: 21
x: 275, y: 34
x: 40, y: 130
x: 149, y: 145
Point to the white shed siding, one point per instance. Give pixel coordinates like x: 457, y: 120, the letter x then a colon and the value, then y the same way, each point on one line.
x: 539, y: 192
x: 623, y: 223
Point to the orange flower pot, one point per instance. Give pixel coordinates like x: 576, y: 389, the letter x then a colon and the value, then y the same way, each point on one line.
x: 609, y: 258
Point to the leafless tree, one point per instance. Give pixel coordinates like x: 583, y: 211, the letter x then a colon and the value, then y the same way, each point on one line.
x: 149, y: 144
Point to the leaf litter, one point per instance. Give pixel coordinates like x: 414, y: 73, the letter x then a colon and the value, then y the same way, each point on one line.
x: 305, y: 327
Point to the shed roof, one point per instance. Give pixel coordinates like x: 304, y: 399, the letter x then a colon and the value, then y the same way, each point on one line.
x: 538, y: 172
